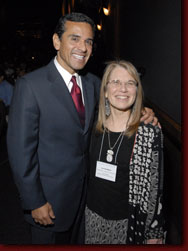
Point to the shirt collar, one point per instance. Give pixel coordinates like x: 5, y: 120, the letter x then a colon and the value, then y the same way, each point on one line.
x: 67, y: 76
x: 64, y: 73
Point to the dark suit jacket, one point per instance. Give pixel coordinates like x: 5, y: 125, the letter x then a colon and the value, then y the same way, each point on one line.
x: 47, y: 146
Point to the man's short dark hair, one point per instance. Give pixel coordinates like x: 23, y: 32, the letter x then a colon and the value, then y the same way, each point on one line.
x: 74, y: 17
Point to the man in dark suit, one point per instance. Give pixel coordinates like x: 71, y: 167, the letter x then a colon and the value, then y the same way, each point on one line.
x: 48, y: 135
x: 47, y: 143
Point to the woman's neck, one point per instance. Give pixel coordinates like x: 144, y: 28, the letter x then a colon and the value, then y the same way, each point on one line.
x: 118, y: 121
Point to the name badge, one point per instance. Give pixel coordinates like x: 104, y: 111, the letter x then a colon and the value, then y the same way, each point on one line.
x: 106, y: 171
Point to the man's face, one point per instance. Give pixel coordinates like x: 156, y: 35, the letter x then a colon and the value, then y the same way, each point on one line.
x: 75, y: 46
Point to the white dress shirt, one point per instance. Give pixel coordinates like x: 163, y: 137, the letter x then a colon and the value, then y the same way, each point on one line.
x: 67, y: 77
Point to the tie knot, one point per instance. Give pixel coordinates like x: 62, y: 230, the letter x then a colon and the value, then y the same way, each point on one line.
x: 73, y: 79
x: 75, y: 87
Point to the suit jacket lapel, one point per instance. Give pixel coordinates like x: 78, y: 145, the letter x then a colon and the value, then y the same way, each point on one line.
x: 60, y: 91
x: 88, y: 92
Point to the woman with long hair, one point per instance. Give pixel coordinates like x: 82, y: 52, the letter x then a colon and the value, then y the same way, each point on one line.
x: 124, y: 201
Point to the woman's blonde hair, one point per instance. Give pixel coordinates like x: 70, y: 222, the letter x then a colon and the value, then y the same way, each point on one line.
x: 136, y: 107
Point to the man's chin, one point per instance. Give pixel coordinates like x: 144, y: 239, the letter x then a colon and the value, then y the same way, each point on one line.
x: 79, y: 68
x: 79, y: 65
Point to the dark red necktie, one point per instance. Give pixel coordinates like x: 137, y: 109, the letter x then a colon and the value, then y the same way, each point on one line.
x: 77, y: 98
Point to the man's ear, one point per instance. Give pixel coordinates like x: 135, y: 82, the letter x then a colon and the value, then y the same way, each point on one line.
x: 56, y: 42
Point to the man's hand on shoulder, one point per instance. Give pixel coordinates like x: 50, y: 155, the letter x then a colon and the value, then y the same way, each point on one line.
x: 43, y: 215
x: 148, y: 116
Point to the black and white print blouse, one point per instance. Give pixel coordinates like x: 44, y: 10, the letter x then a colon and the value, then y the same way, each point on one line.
x: 146, y: 186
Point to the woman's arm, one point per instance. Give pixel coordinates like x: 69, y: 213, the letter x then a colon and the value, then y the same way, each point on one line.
x: 155, y: 221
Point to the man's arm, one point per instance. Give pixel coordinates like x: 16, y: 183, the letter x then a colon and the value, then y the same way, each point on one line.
x: 22, y: 142
x: 148, y: 116
x: 43, y: 215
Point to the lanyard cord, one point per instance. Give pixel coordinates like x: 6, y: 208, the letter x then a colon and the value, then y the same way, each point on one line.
x: 122, y: 136
x: 119, y: 147
x: 102, y: 143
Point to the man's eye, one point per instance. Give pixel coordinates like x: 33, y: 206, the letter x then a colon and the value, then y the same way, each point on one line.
x: 74, y: 38
x: 89, y: 42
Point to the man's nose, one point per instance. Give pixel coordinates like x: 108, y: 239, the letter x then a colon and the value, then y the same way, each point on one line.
x: 82, y: 45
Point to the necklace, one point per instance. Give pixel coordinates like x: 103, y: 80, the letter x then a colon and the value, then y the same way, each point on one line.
x: 110, y: 152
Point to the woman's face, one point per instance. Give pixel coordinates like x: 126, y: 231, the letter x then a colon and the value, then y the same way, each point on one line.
x: 121, y: 90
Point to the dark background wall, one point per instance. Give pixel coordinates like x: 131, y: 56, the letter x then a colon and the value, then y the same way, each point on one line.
x: 148, y: 33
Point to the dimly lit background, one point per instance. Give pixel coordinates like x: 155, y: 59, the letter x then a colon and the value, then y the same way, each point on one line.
x: 145, y: 32
x: 148, y: 33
